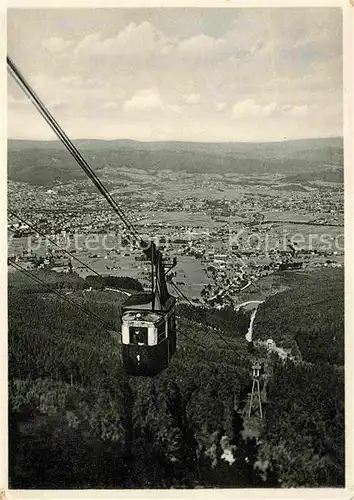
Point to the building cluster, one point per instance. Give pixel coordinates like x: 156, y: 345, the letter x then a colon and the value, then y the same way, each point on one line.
x: 66, y: 209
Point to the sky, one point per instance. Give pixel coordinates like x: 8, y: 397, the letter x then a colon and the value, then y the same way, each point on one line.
x: 234, y: 74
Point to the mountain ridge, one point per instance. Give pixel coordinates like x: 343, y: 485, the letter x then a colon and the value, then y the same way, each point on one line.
x: 84, y: 142
x: 37, y: 162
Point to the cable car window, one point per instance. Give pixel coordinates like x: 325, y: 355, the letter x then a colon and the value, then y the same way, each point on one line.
x: 161, y: 333
x: 138, y: 335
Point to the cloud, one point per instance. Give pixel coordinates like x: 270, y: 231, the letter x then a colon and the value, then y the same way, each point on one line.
x: 57, y: 103
x: 186, y: 75
x: 56, y: 44
x: 148, y: 99
x: 220, y: 106
x: 200, y: 45
x: 42, y: 81
x: 144, y: 39
x: 295, y: 111
x: 134, y: 39
x: 174, y: 108
x: 71, y: 80
x: 13, y: 101
x: 71, y: 94
x: 110, y: 105
x: 96, y: 82
x: 192, y: 98
x: 249, y: 108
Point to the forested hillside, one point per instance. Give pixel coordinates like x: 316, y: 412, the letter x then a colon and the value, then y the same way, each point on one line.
x: 77, y: 420
x: 305, y: 401
x: 72, y: 404
x: 312, y: 313
x: 303, y: 440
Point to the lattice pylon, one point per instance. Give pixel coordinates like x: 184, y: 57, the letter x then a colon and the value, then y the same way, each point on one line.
x: 257, y: 399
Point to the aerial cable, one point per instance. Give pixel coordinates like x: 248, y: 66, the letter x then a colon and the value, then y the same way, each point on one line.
x: 62, y: 296
x: 191, y: 339
x: 185, y: 298
x: 31, y: 276
x: 181, y: 294
x: 54, y: 243
x: 67, y: 143
x: 56, y: 128
x: 31, y: 226
x: 75, y: 304
x: 39, y: 105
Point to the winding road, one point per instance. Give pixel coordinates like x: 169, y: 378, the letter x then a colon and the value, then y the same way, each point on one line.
x: 248, y: 302
x: 282, y: 353
x: 249, y: 333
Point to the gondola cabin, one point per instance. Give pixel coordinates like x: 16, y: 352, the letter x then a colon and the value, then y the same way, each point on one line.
x: 148, y: 335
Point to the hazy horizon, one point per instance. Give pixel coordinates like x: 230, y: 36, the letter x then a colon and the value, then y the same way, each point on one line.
x: 177, y: 140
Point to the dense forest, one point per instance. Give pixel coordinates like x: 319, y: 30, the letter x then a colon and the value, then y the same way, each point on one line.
x: 124, y: 282
x: 73, y: 282
x: 311, y: 312
x: 77, y: 420
x: 305, y: 408
x: 72, y: 404
x: 227, y: 320
x: 303, y: 441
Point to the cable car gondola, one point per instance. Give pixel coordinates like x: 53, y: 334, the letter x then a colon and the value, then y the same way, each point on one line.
x: 149, y: 323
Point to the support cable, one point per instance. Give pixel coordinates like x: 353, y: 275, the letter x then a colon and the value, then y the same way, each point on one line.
x: 184, y: 297
x: 40, y: 106
x: 38, y: 280
x: 56, y: 244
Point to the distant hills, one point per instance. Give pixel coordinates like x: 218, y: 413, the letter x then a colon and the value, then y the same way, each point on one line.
x: 44, y: 162
x: 327, y: 175
x: 285, y: 147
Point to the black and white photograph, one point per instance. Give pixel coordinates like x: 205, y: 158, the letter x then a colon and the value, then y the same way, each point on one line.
x: 175, y: 248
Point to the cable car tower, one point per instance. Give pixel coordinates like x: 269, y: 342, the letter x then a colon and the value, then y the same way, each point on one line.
x: 256, y: 392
